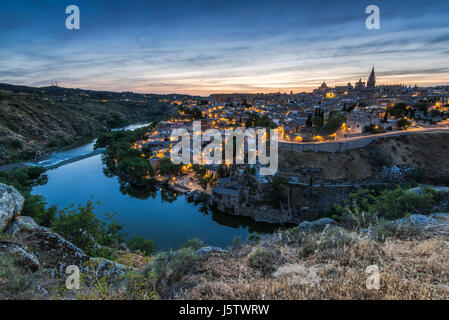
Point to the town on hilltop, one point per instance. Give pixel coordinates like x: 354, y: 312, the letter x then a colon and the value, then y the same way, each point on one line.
x: 327, y: 120
x: 325, y: 115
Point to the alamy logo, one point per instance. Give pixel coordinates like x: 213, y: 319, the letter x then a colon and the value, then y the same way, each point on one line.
x: 373, y: 280
x: 373, y: 20
x: 73, y: 280
x: 72, y: 21
x: 212, y: 153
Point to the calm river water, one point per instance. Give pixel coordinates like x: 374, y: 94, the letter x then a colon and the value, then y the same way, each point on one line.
x: 148, y: 215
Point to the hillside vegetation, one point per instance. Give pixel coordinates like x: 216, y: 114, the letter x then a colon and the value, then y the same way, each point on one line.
x: 34, y: 121
x: 407, y: 243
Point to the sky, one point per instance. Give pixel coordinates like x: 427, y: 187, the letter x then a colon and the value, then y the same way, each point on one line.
x: 202, y: 47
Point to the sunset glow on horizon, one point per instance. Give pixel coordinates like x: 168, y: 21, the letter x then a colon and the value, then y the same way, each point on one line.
x: 206, y: 47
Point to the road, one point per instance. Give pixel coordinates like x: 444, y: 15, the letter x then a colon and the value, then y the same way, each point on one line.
x: 380, y: 135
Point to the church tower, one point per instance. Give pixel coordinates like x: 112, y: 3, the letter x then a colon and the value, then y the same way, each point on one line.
x: 371, y: 84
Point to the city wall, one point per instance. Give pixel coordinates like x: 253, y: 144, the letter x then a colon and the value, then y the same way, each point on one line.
x: 331, y: 146
x: 345, y: 145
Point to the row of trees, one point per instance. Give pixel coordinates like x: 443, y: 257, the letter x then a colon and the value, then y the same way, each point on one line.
x: 255, y: 120
x: 121, y: 158
x: 195, y: 112
x: 332, y: 124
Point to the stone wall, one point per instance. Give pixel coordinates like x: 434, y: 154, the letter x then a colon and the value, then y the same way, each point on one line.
x: 331, y: 146
x: 345, y: 145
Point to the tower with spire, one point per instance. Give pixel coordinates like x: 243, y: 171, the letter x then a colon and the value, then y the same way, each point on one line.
x: 371, y: 84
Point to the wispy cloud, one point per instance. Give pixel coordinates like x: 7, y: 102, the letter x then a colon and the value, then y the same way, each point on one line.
x: 202, y: 47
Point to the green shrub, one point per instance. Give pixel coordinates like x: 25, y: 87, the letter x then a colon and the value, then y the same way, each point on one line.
x: 53, y: 144
x: 35, y: 207
x: 24, y: 179
x: 173, y: 265
x: 265, y: 260
x: 86, y: 231
x: 357, y: 218
x: 193, y: 243
x: 17, y: 144
x: 397, y: 203
x: 254, y: 237
x: 367, y: 207
x: 141, y: 244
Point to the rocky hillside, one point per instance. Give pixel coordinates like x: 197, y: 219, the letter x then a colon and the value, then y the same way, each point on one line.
x: 315, y: 260
x: 33, y: 259
x: 426, y: 151
x: 34, y: 121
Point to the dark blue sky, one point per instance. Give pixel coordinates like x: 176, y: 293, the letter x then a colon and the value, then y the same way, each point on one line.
x: 202, y: 47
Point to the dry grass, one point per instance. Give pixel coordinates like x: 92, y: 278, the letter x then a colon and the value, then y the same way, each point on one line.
x: 134, y: 260
x: 409, y: 269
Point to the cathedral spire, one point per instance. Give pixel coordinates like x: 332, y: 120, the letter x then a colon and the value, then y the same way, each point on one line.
x: 371, y: 84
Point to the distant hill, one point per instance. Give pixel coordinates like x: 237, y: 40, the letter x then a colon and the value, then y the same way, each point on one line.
x: 34, y: 121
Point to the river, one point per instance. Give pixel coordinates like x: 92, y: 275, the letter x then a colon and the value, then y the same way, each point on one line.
x: 150, y: 215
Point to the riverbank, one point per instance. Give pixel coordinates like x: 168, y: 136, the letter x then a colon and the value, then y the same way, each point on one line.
x: 75, y: 152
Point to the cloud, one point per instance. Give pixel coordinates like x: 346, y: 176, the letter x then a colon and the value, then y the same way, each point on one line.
x: 205, y: 46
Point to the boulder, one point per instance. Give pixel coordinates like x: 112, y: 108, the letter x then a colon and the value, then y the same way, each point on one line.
x: 110, y: 269
x: 55, y: 252
x: 437, y: 223
x: 11, y: 204
x: 26, y: 258
x: 416, y: 220
x: 21, y: 223
x: 418, y: 190
x: 211, y: 249
x: 440, y: 216
x: 317, y: 225
x: 123, y: 247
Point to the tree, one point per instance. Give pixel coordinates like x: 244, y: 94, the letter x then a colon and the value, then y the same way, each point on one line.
x: 422, y: 106
x: 195, y: 112
x: 335, y: 121
x: 255, y: 120
x: 139, y: 243
x: 86, y: 231
x: 386, y: 115
x: 399, y: 110
x: 318, y: 119
x: 203, y: 177
x: 167, y: 167
x: 278, y: 193
x: 403, y: 124
x: 309, y: 122
x: 137, y: 168
x: 318, y: 122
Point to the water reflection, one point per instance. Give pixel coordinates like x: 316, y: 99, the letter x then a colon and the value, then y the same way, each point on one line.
x: 154, y: 211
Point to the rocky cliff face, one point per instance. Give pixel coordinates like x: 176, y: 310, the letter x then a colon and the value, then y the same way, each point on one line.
x: 38, y: 249
x: 427, y: 151
x: 34, y: 121
x: 11, y: 204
